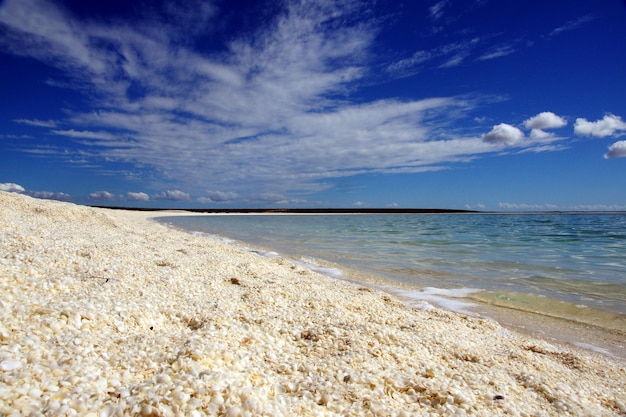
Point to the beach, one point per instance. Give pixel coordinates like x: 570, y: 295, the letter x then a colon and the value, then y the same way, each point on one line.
x: 105, y: 312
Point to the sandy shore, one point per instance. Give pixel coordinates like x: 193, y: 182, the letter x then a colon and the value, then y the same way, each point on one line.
x: 105, y: 313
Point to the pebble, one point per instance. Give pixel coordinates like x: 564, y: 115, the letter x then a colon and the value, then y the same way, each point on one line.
x: 10, y: 364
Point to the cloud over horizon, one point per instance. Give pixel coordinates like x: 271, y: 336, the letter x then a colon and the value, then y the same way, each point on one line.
x: 11, y: 187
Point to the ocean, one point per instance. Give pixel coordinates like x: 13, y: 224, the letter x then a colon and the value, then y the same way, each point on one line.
x: 569, y: 266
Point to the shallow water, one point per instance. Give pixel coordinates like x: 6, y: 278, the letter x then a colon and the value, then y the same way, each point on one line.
x: 569, y: 266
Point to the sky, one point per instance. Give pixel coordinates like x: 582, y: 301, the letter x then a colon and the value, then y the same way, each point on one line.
x: 459, y: 104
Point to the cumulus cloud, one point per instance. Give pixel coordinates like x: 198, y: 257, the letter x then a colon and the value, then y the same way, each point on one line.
x: 609, y: 125
x: 538, y: 140
x: 102, y: 196
x: 273, y: 198
x: 538, y: 134
x: 527, y: 207
x: 173, y: 195
x: 598, y: 207
x: 11, y: 187
x: 616, y: 150
x: 504, y: 134
x: 133, y: 196
x: 218, y: 197
x: 545, y: 120
x: 50, y: 195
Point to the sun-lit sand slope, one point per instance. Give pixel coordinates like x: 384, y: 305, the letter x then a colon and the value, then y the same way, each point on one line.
x: 106, y: 313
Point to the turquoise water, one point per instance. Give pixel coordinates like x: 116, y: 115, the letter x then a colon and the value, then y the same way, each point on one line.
x: 575, y: 258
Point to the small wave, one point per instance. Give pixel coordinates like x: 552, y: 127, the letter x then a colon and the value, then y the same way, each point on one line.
x: 211, y: 236
x: 445, y: 298
x: 330, y: 272
x: 311, y: 264
x: 594, y: 348
x: 265, y: 253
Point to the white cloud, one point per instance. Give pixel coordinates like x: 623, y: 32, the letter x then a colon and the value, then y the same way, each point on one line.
x: 455, y: 60
x: 50, y: 195
x: 598, y: 207
x: 102, y: 196
x: 545, y: 120
x: 84, y: 134
x: 409, y: 66
x: 37, y: 123
x: 538, y: 135
x: 174, y: 195
x: 498, y: 52
x: 536, y: 141
x: 527, y: 207
x: 218, y: 197
x: 11, y: 187
x: 616, y: 150
x: 133, y: 196
x: 609, y: 125
x: 273, y: 198
x: 571, y: 25
x: 359, y: 204
x: 453, y: 54
x: 504, y: 134
x: 437, y: 9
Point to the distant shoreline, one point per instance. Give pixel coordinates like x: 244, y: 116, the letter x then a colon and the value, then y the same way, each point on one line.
x: 347, y: 211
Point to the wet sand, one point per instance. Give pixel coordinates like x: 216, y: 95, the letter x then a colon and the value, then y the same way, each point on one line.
x: 107, y: 313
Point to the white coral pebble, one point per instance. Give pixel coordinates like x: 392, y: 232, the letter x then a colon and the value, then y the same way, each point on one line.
x: 10, y: 364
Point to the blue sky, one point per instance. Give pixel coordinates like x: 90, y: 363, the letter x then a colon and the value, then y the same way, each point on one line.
x: 485, y: 104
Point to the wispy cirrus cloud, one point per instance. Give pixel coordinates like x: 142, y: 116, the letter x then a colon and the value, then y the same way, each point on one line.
x: 572, y: 25
x: 84, y: 134
x: 37, y: 123
x: 498, y: 52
